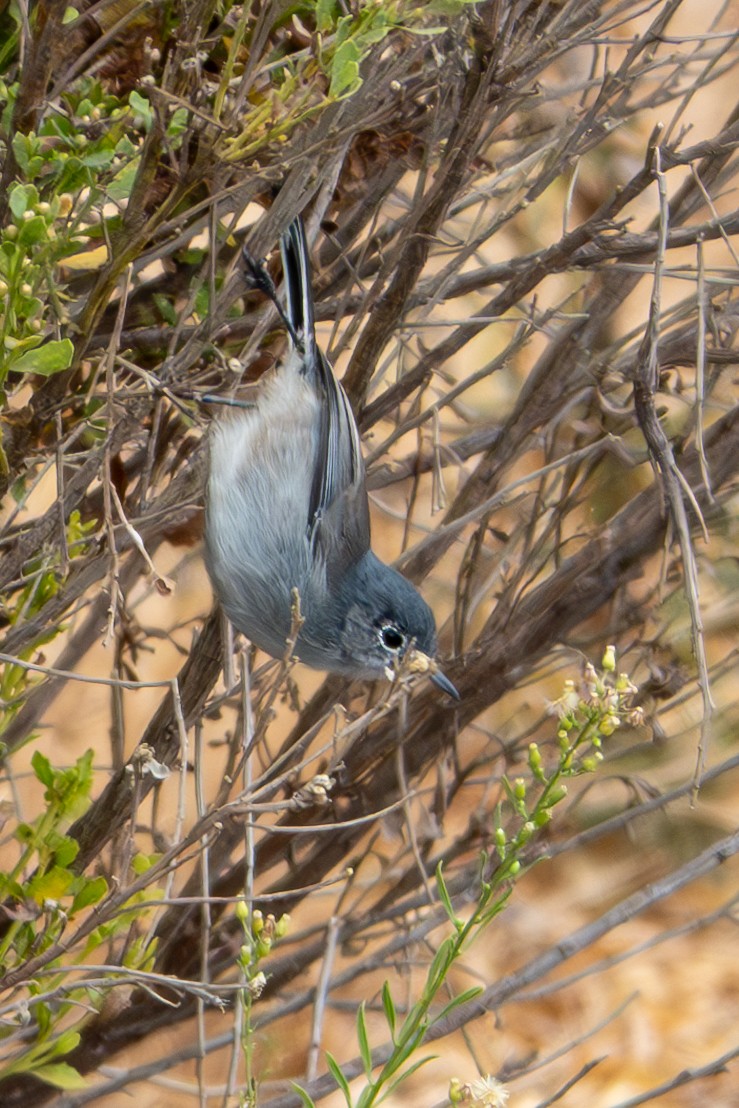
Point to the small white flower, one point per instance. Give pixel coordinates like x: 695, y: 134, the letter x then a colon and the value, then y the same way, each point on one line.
x: 487, y: 1092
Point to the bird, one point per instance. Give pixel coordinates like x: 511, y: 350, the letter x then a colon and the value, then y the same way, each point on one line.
x: 287, y: 510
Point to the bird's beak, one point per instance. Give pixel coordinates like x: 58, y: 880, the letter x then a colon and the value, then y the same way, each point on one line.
x: 442, y: 682
x: 418, y: 662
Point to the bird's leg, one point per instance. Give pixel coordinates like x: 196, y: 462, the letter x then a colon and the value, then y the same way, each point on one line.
x: 258, y: 277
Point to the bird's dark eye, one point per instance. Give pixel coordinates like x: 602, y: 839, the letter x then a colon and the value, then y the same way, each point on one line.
x: 391, y: 638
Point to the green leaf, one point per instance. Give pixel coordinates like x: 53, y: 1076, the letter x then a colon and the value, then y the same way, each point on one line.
x: 17, y: 346
x: 440, y: 965
x: 201, y: 301
x: 42, y: 1012
x: 325, y: 10
x: 389, y: 1006
x: 61, y: 1075
x: 125, y: 147
x: 413, y: 1018
x: 307, y: 1101
x: 99, y: 159
x: 70, y: 14
x: 9, y: 887
x: 28, y: 307
x: 377, y: 33
x: 26, y: 150
x: 345, y: 69
x: 42, y: 768
x: 165, y: 308
x: 446, y: 899
x: 25, y: 938
x: 142, y: 107
x: 425, y: 30
x: 47, y: 360
x: 142, y: 863
x: 192, y: 255
x: 122, y: 184
x: 338, y: 1077
x: 51, y: 885
x: 363, y: 1037
x: 141, y: 952
x: 33, y: 231
x: 178, y: 122
x: 468, y: 994
x: 21, y: 197
x: 65, y: 849
x: 68, y: 1040
x: 91, y: 892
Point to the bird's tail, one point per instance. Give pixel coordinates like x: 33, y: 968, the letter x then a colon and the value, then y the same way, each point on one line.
x: 298, y: 291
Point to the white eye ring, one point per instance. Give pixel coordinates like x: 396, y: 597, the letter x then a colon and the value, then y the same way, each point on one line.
x: 391, y: 638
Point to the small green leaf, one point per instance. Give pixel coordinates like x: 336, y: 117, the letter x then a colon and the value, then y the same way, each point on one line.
x: 20, y: 198
x: 468, y: 994
x: 389, y: 1006
x: 42, y: 1012
x: 47, y: 360
x: 65, y: 849
x: 377, y: 33
x: 68, y: 1040
x: 178, y: 122
x: 9, y: 887
x: 440, y: 965
x: 70, y: 14
x: 50, y: 886
x: 17, y: 346
x: 122, y: 184
x: 445, y: 898
x: 91, y: 892
x: 142, y: 863
x: 426, y: 30
x: 307, y: 1101
x: 26, y: 149
x: 142, y: 107
x: 338, y: 1077
x: 201, y: 303
x: 98, y: 159
x: 42, y: 768
x: 165, y: 308
x: 61, y: 1075
x: 345, y: 69
x: 325, y: 16
x: 192, y: 255
x: 33, y: 231
x: 363, y: 1037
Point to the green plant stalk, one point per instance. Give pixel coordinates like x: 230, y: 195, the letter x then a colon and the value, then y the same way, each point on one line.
x: 580, y: 728
x: 247, y: 1098
x: 228, y: 68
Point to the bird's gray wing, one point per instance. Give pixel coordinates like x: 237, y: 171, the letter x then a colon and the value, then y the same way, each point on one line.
x: 338, y: 510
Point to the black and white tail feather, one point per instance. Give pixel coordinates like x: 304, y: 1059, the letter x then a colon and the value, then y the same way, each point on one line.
x: 338, y: 502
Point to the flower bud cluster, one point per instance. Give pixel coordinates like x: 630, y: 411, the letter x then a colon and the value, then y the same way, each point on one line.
x: 260, y: 934
x: 588, y: 713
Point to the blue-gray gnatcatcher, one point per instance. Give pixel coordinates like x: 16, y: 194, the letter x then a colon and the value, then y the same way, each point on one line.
x: 287, y: 509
